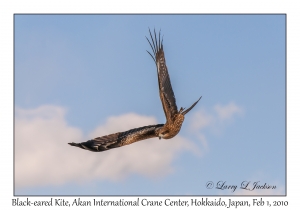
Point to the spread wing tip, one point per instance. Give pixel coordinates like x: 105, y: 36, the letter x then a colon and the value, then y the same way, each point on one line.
x: 157, y: 43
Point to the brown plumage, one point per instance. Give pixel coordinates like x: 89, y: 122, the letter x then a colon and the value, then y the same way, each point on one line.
x: 174, y: 118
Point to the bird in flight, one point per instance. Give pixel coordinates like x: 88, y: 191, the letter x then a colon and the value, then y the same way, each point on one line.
x: 174, y: 117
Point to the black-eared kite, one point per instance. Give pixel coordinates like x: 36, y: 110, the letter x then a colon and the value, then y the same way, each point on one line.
x: 174, y: 117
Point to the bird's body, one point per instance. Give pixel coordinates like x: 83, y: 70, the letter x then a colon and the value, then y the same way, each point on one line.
x: 171, y: 129
x: 174, y: 118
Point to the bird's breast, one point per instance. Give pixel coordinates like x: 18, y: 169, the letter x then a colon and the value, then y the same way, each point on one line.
x: 174, y: 127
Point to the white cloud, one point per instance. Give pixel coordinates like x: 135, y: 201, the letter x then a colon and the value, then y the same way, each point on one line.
x: 43, y: 157
x: 227, y: 112
x: 214, y: 121
x: 201, y: 119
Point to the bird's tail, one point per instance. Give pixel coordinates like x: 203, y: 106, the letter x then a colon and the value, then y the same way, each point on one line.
x: 84, y: 145
x: 184, y: 112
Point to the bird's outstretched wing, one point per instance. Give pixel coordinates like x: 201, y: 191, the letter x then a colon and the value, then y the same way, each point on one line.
x: 119, y: 139
x: 165, y: 89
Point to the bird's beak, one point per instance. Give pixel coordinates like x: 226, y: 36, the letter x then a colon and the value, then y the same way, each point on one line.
x: 159, y: 137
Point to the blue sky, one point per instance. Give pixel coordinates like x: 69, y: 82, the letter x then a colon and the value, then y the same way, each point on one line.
x: 77, y: 76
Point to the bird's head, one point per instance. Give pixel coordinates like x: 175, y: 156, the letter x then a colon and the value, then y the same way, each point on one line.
x: 164, y: 133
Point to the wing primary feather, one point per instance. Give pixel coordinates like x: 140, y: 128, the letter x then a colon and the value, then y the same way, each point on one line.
x: 159, y: 39
x: 150, y: 45
x: 153, y: 42
x: 151, y: 55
